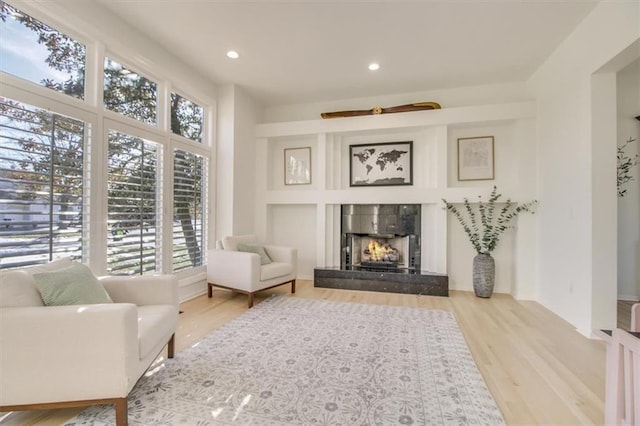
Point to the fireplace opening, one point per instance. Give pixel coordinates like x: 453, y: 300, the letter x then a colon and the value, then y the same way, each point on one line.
x: 381, y: 237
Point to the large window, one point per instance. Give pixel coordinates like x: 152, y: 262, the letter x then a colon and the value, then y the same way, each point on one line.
x: 41, y: 185
x: 36, y: 52
x: 188, y: 209
x: 48, y: 159
x: 129, y: 93
x: 133, y: 205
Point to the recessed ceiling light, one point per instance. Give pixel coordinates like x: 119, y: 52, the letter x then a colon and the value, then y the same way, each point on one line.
x: 373, y: 66
x: 233, y: 54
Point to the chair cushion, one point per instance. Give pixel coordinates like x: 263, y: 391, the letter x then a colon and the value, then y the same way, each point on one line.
x: 231, y: 242
x: 274, y: 270
x: 257, y: 249
x: 75, y: 285
x: 153, y: 323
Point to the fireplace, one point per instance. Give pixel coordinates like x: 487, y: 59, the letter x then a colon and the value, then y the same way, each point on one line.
x: 380, y: 236
x: 380, y: 251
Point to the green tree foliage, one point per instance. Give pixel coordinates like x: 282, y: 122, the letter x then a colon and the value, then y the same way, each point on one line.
x: 186, y: 118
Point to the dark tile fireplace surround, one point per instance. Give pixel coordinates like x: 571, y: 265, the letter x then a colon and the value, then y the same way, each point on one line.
x: 380, y: 251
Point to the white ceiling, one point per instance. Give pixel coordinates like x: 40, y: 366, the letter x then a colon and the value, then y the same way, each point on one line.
x: 310, y: 51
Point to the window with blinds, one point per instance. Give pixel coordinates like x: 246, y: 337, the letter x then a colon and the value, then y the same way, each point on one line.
x: 41, y: 185
x: 133, y: 205
x: 188, y: 209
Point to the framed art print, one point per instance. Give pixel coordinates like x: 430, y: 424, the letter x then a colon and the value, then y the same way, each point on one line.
x: 475, y: 158
x: 297, y: 166
x: 381, y: 164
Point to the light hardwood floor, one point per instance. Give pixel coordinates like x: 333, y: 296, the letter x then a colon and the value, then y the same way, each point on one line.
x: 538, y: 368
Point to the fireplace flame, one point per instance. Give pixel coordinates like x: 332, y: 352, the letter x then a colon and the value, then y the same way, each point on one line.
x: 379, y: 252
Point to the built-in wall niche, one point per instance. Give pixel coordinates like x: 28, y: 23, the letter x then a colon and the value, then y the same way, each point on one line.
x: 295, y: 225
x: 424, y: 156
x: 507, y: 142
x: 276, y: 158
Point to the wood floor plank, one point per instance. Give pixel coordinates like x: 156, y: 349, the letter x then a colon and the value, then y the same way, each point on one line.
x: 538, y: 368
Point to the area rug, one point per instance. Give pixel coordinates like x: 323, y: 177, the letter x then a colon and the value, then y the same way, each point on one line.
x: 295, y: 361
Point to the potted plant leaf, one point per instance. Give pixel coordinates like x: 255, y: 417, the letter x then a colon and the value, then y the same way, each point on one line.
x: 484, y: 224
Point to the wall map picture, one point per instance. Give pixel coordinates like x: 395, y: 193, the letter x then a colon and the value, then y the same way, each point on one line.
x: 381, y: 164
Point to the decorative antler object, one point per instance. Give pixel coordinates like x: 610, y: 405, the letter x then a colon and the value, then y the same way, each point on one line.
x: 419, y: 106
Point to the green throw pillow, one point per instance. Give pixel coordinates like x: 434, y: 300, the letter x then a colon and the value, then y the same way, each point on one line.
x: 74, y: 285
x: 253, y: 248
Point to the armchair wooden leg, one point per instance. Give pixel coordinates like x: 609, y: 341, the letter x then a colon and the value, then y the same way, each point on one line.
x: 171, y: 346
x: 293, y: 286
x: 210, y: 289
x: 250, y: 300
x: 122, y: 417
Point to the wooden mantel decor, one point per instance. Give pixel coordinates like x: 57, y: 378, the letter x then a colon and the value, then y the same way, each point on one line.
x: 420, y: 106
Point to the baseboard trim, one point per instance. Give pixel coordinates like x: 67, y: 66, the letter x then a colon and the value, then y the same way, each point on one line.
x: 629, y: 297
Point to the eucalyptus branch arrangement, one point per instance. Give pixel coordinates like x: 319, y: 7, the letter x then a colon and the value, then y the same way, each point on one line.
x: 625, y: 164
x: 484, y: 226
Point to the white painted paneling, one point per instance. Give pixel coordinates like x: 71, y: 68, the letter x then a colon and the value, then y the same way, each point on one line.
x: 295, y: 226
x: 628, y: 103
x: 445, y: 248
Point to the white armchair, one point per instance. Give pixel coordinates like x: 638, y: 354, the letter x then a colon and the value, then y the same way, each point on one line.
x: 79, y: 355
x: 244, y: 272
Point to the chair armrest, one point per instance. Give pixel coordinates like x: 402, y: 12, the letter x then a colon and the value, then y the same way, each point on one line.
x: 283, y: 254
x: 160, y: 289
x: 65, y: 353
x: 233, y: 269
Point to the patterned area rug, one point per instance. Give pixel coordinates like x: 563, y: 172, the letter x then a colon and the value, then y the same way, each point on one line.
x: 294, y: 361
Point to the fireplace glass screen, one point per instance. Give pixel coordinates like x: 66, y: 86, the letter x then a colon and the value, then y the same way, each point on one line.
x: 381, y: 237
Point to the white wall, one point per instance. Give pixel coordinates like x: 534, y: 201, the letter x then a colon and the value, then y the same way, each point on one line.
x: 447, y: 98
x: 295, y: 226
x: 575, y: 265
x: 236, y: 153
x: 225, y: 164
x: 247, y: 113
x: 628, y: 103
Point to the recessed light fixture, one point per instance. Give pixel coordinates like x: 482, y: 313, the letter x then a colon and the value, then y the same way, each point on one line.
x: 374, y: 66
x: 233, y: 54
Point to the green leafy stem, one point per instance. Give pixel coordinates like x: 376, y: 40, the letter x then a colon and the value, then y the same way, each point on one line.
x: 625, y: 164
x: 483, y: 224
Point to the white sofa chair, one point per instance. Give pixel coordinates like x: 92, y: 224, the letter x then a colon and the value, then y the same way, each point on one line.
x: 243, y: 271
x: 79, y: 355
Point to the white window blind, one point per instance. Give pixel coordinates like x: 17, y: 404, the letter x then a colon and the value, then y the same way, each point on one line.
x: 133, y: 205
x: 188, y: 209
x: 41, y: 185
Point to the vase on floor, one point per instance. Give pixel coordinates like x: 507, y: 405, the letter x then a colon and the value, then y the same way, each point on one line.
x: 484, y: 275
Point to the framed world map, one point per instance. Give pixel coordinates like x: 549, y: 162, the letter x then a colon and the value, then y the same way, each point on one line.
x: 381, y: 164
